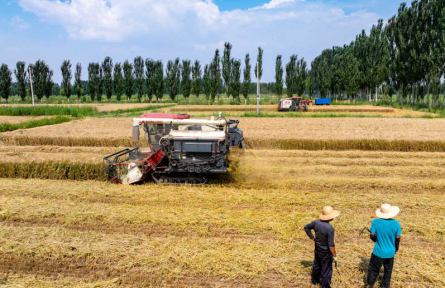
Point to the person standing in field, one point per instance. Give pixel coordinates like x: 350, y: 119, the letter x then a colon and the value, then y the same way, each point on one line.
x: 385, y: 232
x: 324, y: 251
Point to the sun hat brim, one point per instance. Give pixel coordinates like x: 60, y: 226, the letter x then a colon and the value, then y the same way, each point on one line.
x: 331, y: 216
x: 394, y: 211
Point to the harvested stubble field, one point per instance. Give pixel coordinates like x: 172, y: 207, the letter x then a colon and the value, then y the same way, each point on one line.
x: 247, y: 233
x: 356, y: 110
x: 265, y: 133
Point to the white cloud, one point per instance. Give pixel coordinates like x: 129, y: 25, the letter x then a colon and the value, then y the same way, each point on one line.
x: 18, y: 23
x: 274, y: 4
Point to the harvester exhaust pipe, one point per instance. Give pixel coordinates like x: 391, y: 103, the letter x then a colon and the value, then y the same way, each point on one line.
x: 135, y: 133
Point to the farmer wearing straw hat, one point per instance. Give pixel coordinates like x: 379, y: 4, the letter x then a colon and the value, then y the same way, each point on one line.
x: 385, y: 232
x: 324, y: 252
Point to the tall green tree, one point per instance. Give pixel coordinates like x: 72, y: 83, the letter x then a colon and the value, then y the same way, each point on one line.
x: 196, y: 78
x: 139, y: 76
x: 66, y: 78
x: 118, y: 81
x: 128, y: 79
x: 159, y: 80
x: 21, y: 76
x: 5, y: 82
x: 78, y: 81
x: 107, y: 68
x: 259, y: 65
x: 48, y: 74
x: 246, y: 78
x: 227, y: 67
x: 150, y: 77
x: 94, y: 80
x: 100, y: 86
x: 301, y: 77
x: 215, y: 75
x: 186, y: 83
x: 39, y: 78
x: 291, y: 72
x: 207, y: 82
x: 173, y: 77
x: 279, y: 75
x: 235, y: 75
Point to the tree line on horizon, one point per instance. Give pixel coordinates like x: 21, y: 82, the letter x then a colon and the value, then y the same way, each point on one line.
x: 141, y: 77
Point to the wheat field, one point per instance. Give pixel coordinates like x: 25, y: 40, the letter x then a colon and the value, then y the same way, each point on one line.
x: 63, y: 225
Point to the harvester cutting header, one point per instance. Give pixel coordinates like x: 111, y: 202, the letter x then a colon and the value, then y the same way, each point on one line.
x: 182, y: 150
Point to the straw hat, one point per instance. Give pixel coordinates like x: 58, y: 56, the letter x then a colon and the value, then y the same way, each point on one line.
x: 328, y: 213
x: 387, y: 211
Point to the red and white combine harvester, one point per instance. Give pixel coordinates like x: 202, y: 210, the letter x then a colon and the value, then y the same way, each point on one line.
x: 293, y: 104
x: 181, y: 150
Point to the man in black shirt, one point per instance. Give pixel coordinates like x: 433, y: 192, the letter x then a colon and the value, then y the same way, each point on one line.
x: 325, y: 252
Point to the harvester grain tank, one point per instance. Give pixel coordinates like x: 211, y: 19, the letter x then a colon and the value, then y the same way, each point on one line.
x: 182, y: 150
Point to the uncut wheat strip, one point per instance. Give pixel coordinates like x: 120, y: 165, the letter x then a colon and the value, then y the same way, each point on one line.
x: 100, y: 107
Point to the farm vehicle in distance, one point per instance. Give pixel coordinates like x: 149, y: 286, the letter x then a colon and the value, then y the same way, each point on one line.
x: 182, y: 150
x: 293, y: 104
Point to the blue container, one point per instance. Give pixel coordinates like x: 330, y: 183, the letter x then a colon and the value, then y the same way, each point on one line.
x: 323, y: 101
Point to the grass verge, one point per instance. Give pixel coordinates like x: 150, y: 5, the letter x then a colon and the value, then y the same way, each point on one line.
x: 5, y: 127
x: 75, y: 111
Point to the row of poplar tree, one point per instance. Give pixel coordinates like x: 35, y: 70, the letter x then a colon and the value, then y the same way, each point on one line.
x: 406, y: 56
x: 142, y: 77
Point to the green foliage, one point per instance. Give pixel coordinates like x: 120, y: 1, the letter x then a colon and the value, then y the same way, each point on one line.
x: 128, y: 79
x: 5, y: 82
x: 66, y: 78
x: 159, y: 80
x: 291, y: 75
x: 5, y: 127
x: 227, y: 67
x: 235, y: 84
x: 173, y: 75
x: 259, y: 64
x: 150, y: 74
x: 246, y: 81
x: 100, y: 82
x: 139, y: 76
x: 300, y: 84
x: 186, y: 83
x: 75, y: 111
x: 279, y: 75
x: 118, y: 81
x: 41, y: 79
x: 20, y: 75
x: 207, y: 82
x: 94, y: 80
x: 215, y: 75
x: 107, y: 68
x: 77, y: 81
x: 196, y: 78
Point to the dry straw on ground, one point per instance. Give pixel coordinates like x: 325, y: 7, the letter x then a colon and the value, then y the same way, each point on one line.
x: 137, y: 236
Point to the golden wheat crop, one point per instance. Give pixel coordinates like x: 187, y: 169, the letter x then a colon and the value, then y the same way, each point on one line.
x: 19, y: 119
x: 137, y: 236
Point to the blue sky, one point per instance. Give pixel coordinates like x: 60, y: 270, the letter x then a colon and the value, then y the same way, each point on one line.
x: 88, y: 30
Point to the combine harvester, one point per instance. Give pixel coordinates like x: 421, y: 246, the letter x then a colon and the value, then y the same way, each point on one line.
x: 293, y: 104
x: 182, y: 150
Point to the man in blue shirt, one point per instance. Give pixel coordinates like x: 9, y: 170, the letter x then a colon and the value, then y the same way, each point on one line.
x: 385, y: 232
x: 325, y: 252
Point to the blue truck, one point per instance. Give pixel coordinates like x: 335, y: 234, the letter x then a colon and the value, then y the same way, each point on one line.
x: 323, y: 101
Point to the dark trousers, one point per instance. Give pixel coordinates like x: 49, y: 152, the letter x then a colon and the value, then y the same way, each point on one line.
x: 374, y: 269
x: 322, y: 269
